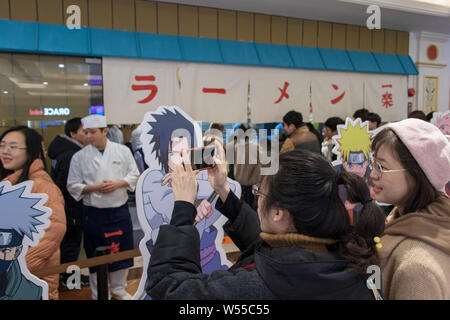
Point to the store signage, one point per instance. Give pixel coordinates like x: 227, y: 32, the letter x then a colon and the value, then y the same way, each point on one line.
x: 64, y: 111
x: 97, y: 110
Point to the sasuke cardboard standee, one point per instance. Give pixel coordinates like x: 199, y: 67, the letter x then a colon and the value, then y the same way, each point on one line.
x: 164, y: 133
x: 23, y: 219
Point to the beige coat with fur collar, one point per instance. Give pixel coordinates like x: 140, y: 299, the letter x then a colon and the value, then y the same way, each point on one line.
x: 415, y: 257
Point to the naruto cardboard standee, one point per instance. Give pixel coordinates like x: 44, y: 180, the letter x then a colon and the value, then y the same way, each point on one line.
x: 165, y: 133
x: 353, y: 149
x: 23, y: 219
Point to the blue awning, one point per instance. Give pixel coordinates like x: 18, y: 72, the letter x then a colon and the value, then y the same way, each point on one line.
x: 239, y: 52
x: 159, y: 46
x: 18, y: 36
x: 306, y: 57
x: 63, y: 40
x: 47, y: 38
x: 337, y: 60
x: 408, y: 64
x: 200, y: 50
x: 363, y: 61
x: 114, y: 43
x: 389, y: 63
x: 274, y: 55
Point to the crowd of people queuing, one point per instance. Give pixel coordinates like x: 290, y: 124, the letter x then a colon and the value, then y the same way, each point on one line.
x: 296, y: 237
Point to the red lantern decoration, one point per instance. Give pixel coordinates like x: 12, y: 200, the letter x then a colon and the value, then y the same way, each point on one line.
x: 411, y: 92
x: 432, y: 52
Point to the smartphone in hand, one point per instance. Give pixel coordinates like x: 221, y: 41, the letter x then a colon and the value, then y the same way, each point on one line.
x: 202, y: 158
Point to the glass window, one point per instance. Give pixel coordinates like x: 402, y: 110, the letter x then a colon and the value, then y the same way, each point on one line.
x: 44, y: 91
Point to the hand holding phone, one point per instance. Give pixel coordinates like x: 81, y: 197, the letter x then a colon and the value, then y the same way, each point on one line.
x: 217, y: 175
x: 203, y: 157
x: 184, y: 182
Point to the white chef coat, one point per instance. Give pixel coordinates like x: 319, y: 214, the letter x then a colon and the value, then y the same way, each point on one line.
x: 89, y: 166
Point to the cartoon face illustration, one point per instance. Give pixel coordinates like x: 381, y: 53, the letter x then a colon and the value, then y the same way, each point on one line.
x: 10, y: 248
x: 353, y: 146
x: 165, y: 133
x: 21, y: 217
x: 357, y: 163
x: 174, y: 156
x: 162, y: 133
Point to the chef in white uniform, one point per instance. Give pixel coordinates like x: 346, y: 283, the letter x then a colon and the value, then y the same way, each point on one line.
x: 100, y: 174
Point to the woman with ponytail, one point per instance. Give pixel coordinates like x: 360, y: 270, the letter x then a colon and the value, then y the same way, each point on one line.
x: 299, y: 245
x: 411, y: 168
x: 22, y: 158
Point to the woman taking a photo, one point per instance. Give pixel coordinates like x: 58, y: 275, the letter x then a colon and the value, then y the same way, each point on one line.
x: 411, y: 168
x: 22, y: 158
x: 299, y: 245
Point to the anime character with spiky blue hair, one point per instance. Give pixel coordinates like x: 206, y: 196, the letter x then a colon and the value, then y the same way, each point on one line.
x: 23, y: 219
x: 165, y: 133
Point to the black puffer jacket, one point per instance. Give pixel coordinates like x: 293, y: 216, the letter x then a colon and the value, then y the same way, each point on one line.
x: 262, y: 272
x: 61, y: 150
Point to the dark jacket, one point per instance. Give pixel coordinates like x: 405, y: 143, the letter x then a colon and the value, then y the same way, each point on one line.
x: 262, y: 272
x: 61, y: 150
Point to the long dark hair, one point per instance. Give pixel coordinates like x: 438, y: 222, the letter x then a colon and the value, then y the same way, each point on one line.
x: 423, y: 192
x: 33, y: 142
x: 306, y: 185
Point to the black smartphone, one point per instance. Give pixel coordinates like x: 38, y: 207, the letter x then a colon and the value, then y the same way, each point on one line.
x: 202, y: 158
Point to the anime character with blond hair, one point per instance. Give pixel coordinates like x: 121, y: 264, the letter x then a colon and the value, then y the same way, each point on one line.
x: 352, y: 145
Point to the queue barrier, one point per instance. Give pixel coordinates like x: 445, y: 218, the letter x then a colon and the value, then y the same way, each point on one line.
x: 106, y: 259
x: 102, y: 259
x: 91, y: 262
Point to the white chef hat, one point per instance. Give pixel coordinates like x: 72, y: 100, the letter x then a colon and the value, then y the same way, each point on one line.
x: 94, y: 121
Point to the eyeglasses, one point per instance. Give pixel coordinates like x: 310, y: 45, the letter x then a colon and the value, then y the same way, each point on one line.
x: 379, y: 170
x: 12, y: 148
x: 256, y: 191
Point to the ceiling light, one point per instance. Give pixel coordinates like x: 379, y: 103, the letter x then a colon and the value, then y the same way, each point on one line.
x: 5, y: 92
x: 61, y: 65
x: 45, y: 83
x: 85, y: 84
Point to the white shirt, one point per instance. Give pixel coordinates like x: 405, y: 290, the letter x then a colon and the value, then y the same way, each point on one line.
x: 89, y: 166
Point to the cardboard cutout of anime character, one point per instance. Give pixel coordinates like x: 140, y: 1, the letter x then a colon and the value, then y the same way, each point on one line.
x: 352, y: 145
x: 23, y: 219
x: 165, y: 133
x: 442, y: 121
